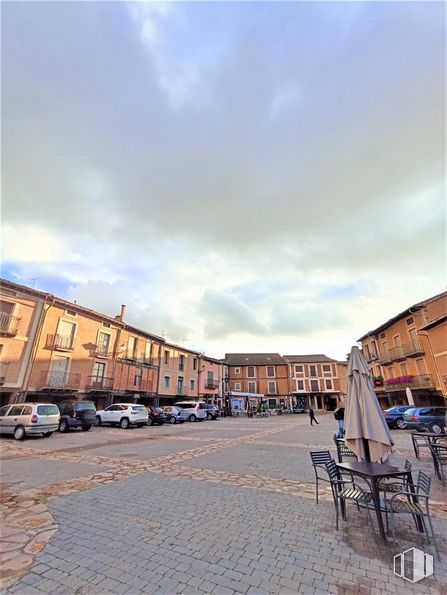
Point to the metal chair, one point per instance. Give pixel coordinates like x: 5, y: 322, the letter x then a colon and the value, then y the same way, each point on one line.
x: 439, y: 456
x: 386, y: 485
x: 418, y: 443
x: 343, y: 452
x: 347, y: 490
x: 414, y: 502
x: 319, y: 460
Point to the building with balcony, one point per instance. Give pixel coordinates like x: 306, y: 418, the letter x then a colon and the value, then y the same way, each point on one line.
x: 408, y: 351
x: 315, y: 381
x: 262, y: 375
x: 210, y: 380
x: 179, y: 374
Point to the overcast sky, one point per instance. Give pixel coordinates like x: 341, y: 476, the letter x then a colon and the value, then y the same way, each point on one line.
x: 243, y: 176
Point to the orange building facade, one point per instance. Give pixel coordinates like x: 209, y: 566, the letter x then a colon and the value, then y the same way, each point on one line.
x: 409, y: 351
x: 179, y: 374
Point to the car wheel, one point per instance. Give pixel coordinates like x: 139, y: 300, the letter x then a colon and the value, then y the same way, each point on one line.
x: 209, y: 416
x: 124, y: 423
x: 149, y: 422
x: 86, y: 428
x: 192, y: 417
x: 400, y: 424
x: 19, y: 433
x: 172, y: 420
x: 47, y: 434
x: 436, y: 428
x: 63, y: 426
x: 98, y: 420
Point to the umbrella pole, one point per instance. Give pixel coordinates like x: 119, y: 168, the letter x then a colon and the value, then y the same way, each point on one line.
x: 367, y: 453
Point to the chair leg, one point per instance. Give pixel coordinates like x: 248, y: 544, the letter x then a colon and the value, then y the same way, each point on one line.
x: 316, y: 486
x: 336, y: 514
x: 371, y: 522
x: 433, y: 537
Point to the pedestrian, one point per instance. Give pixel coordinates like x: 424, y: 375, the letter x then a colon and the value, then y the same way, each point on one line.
x: 339, y: 415
x: 312, y: 417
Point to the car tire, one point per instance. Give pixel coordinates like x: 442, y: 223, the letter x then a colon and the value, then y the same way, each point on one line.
x: 47, y: 434
x: 86, y: 428
x: 63, y: 426
x: 192, y: 417
x: 172, y: 420
x: 209, y: 416
x: 150, y: 422
x: 400, y: 424
x: 436, y: 428
x: 19, y: 433
x: 124, y: 423
x: 98, y: 420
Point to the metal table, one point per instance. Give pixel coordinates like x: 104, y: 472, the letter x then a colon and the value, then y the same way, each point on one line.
x: 431, y: 439
x: 373, y: 473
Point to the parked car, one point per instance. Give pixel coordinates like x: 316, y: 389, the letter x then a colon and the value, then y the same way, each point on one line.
x: 426, y: 418
x: 124, y: 415
x: 394, y: 416
x: 156, y: 416
x: 196, y: 410
x: 212, y: 412
x: 299, y: 409
x: 76, y: 414
x: 26, y: 419
x: 175, y: 415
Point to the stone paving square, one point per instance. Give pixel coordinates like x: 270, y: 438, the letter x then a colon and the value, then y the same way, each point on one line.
x: 186, y: 514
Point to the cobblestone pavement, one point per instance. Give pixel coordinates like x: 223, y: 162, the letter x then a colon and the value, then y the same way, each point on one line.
x: 214, y: 507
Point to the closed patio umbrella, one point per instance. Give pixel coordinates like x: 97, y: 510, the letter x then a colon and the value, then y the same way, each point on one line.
x: 366, y: 431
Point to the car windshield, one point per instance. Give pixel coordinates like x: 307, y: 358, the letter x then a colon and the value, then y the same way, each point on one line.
x: 185, y: 405
x: 138, y: 407
x: 410, y: 411
x: 47, y: 410
x: 85, y: 406
x: 158, y: 409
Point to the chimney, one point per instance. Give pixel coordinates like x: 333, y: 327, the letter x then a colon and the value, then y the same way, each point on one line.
x: 120, y: 316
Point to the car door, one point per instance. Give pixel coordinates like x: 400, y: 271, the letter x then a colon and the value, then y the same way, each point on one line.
x: 107, y: 416
x: 13, y: 418
x: 3, y: 418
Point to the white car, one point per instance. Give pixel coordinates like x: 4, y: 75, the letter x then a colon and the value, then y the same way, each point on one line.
x: 194, y: 410
x: 24, y: 419
x: 123, y: 414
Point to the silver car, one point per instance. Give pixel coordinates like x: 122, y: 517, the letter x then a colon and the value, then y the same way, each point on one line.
x: 25, y: 419
x: 175, y: 415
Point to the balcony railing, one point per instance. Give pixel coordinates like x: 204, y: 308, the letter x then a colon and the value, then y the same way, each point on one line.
x: 213, y: 384
x: 372, y: 356
x: 413, y: 382
x: 179, y: 390
x: 99, y: 383
x: 60, y: 342
x: 413, y: 348
x: 59, y: 380
x: 102, y: 351
x: 9, y: 325
x: 401, y: 352
x: 147, y: 361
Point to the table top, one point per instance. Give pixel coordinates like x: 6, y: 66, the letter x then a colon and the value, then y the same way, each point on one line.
x: 368, y: 469
x: 430, y: 435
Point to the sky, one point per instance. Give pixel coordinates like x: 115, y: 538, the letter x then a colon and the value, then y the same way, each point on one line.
x: 254, y: 176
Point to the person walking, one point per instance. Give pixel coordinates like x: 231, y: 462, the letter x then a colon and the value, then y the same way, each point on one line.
x: 312, y: 417
x: 339, y: 415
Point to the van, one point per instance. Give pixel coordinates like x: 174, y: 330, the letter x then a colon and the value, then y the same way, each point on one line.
x: 25, y: 419
x: 77, y: 414
x: 194, y: 410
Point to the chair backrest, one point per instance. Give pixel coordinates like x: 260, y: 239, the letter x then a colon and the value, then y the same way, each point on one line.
x: 407, y: 465
x: 423, y: 483
x: 320, y: 457
x: 332, y: 470
x: 440, y: 452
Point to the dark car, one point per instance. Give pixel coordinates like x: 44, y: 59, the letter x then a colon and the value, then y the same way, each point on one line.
x: 299, y: 409
x: 76, y: 414
x: 212, y: 412
x: 426, y: 418
x: 156, y: 416
x: 394, y: 416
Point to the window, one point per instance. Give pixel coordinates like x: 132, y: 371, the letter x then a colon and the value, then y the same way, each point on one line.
x: 328, y: 384
x: 166, y: 382
x: 181, y: 363
x: 103, y: 343
x: 16, y: 410
x: 271, y: 387
x: 420, y: 366
x: 252, y: 387
x: 403, y: 369
x: 327, y: 370
x: 192, y: 384
x: 180, y: 385
x: 270, y: 371
x: 148, y: 351
x: 132, y: 348
x: 106, y: 324
x: 166, y: 356
x: 299, y: 370
x: 396, y: 340
x: 313, y: 371
x: 237, y: 370
x: 300, y: 384
x: 250, y: 371
x: 137, y: 377
x: 382, y: 335
x: 237, y: 386
x: 99, y: 369
x: 272, y: 403
x: 314, y: 386
x: 194, y: 363
x: 410, y: 321
x: 47, y: 410
x: 70, y: 312
x: 3, y: 410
